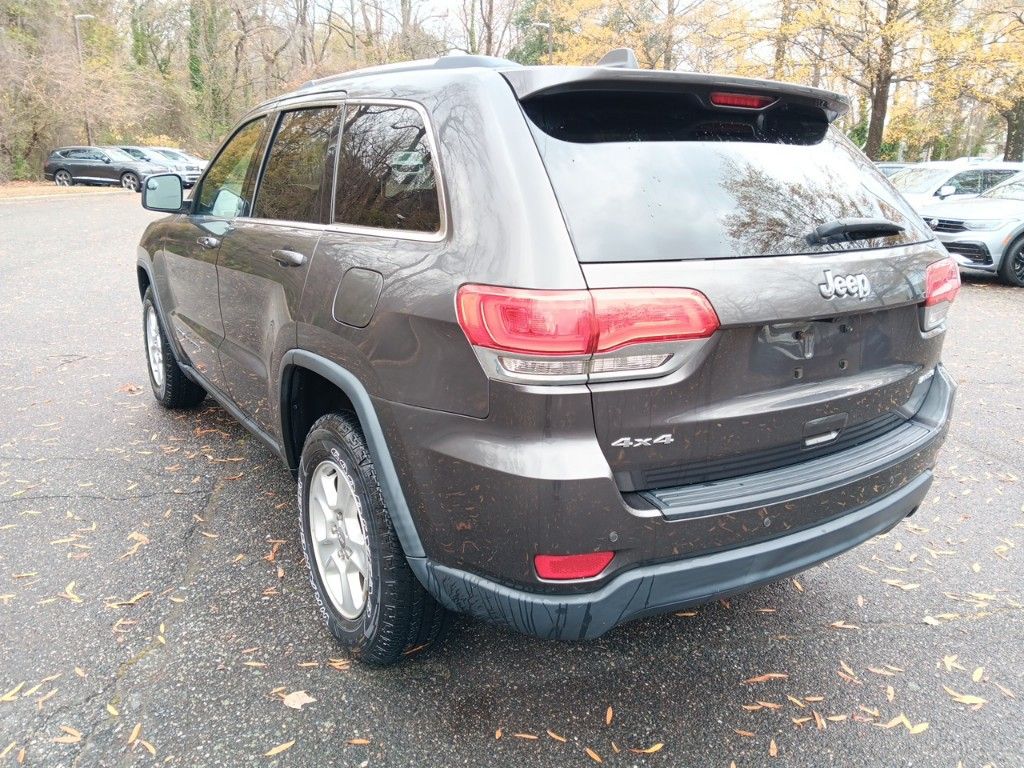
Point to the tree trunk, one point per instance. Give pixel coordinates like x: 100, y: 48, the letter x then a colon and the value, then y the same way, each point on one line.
x: 879, y: 106
x: 195, y: 63
x: 881, y: 82
x: 669, y: 58
x: 1013, y: 150
x: 782, y: 40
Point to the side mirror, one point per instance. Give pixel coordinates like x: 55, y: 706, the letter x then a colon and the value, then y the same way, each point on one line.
x: 106, y: 160
x: 946, y: 190
x: 162, y: 193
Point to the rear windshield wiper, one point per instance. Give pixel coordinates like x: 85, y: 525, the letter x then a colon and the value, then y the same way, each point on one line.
x: 846, y: 230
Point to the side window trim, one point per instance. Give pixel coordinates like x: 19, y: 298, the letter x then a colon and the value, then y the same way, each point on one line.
x: 435, y: 159
x: 198, y: 189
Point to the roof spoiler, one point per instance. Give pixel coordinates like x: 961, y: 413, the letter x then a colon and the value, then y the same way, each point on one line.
x: 616, y: 75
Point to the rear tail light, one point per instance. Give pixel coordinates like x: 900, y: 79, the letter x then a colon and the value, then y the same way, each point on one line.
x: 941, y: 286
x: 743, y: 100
x: 562, y: 567
x: 577, y: 333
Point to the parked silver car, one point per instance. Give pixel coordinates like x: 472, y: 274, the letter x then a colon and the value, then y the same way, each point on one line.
x: 188, y: 167
x: 985, y: 233
x: 925, y: 183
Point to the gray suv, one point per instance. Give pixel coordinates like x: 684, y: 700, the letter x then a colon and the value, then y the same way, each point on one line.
x: 556, y: 347
x: 68, y: 166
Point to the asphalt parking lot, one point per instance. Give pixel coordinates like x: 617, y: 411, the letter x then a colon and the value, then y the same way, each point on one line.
x: 154, y: 607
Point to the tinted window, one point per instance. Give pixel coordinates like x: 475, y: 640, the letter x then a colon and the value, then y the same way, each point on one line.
x: 967, y: 183
x: 224, y: 191
x: 997, y: 177
x: 293, y: 176
x: 922, y: 181
x: 118, y: 155
x: 385, y: 171
x: 85, y: 154
x: 656, y: 177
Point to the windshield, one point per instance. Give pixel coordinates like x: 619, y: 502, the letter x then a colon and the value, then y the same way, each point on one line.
x: 659, y: 177
x: 1009, y: 190
x: 176, y: 156
x: 118, y: 154
x: 920, y: 181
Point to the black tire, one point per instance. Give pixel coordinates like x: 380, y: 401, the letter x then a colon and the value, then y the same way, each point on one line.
x: 63, y: 178
x: 398, y: 617
x: 173, y: 390
x: 130, y: 181
x: 1011, y: 270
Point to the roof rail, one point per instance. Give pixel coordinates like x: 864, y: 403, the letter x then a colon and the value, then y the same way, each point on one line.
x: 621, y: 58
x: 449, y: 61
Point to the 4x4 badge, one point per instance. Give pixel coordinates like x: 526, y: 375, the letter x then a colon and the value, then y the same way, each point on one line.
x: 845, y: 285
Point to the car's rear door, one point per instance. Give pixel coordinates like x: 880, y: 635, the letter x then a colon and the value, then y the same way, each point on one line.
x: 265, y: 258
x: 82, y: 164
x: 721, y: 191
x: 189, y: 296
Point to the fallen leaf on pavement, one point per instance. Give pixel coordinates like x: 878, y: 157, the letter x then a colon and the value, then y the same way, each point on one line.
x: 765, y: 678
x: 279, y: 748
x: 649, y: 750
x: 965, y: 698
x: 297, y: 699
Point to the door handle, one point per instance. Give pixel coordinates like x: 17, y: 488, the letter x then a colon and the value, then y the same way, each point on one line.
x: 208, y: 242
x: 289, y: 258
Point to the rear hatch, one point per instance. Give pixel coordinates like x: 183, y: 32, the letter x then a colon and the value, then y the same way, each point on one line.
x: 742, y: 191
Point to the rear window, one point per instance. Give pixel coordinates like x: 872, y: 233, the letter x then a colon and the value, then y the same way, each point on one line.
x: 385, y: 170
x: 647, y: 176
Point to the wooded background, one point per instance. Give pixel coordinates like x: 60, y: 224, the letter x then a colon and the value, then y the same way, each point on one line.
x: 929, y: 79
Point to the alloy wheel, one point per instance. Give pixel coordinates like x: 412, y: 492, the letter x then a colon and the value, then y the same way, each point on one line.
x: 339, y: 542
x: 130, y: 181
x: 1017, y: 265
x: 62, y: 179
x: 154, y: 347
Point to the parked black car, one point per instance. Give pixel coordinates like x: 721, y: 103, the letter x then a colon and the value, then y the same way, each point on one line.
x: 99, y: 165
x: 557, y: 347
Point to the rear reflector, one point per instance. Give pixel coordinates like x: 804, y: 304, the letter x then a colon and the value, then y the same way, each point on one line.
x: 744, y: 100
x: 941, y: 282
x: 580, y: 322
x: 561, y: 567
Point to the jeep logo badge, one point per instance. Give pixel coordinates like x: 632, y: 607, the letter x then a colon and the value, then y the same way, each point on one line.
x: 845, y: 285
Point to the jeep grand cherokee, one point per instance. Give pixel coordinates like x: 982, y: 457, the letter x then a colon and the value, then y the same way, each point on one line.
x: 557, y: 347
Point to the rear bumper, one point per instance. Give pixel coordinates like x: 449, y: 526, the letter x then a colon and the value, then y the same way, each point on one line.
x: 668, y: 586
x: 902, y: 466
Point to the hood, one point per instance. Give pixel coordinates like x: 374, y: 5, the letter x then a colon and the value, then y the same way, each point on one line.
x: 974, y: 208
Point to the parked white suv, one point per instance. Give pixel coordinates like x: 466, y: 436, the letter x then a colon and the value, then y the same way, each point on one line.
x: 927, y: 183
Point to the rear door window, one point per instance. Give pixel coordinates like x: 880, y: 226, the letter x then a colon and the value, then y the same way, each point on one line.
x: 386, y: 171
x: 654, y: 176
x: 293, y: 179
x: 993, y: 177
